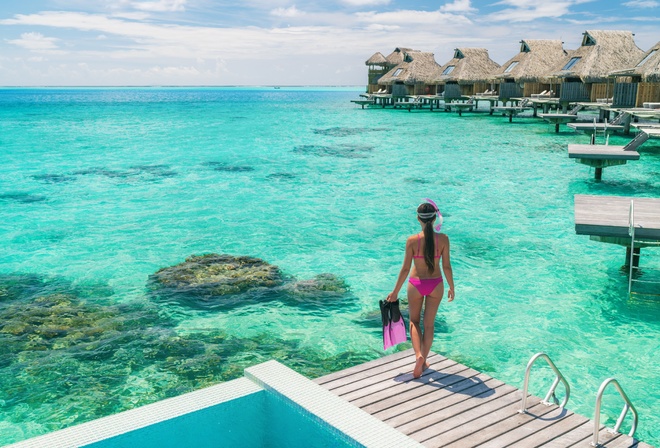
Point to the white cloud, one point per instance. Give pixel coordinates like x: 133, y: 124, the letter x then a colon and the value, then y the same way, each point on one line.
x: 529, y: 10
x: 379, y: 27
x: 161, y: 5
x: 411, y: 17
x: 291, y: 11
x: 101, y: 37
x: 642, y: 4
x: 458, y: 6
x: 35, y: 42
x: 365, y: 2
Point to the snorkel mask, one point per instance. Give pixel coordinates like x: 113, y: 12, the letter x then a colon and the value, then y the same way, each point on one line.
x: 429, y: 215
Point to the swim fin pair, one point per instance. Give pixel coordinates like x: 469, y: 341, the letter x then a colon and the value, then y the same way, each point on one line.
x: 394, y: 327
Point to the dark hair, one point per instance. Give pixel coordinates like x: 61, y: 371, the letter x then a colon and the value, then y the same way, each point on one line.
x: 429, y: 241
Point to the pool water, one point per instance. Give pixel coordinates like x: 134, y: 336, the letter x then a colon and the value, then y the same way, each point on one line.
x: 260, y: 419
x: 100, y: 188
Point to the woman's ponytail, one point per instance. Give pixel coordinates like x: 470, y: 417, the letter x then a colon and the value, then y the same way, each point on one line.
x: 427, y: 214
x: 429, y: 245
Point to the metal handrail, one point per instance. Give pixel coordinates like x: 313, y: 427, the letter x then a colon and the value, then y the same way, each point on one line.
x: 627, y: 405
x: 551, y: 391
x: 631, y: 232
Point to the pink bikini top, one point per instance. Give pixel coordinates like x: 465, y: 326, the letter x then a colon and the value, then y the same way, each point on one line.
x: 419, y: 246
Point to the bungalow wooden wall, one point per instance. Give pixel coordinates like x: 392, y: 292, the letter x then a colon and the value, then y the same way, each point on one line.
x: 510, y: 90
x: 574, y: 91
x: 534, y: 87
x: 479, y: 87
x: 600, y: 90
x: 648, y: 92
x: 625, y: 94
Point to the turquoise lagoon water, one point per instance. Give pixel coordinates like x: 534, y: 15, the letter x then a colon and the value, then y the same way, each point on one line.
x: 100, y: 188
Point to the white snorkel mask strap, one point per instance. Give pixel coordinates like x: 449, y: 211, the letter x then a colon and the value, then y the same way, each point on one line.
x: 429, y: 215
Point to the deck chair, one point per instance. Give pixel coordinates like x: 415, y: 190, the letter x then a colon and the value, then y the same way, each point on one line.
x: 537, y: 95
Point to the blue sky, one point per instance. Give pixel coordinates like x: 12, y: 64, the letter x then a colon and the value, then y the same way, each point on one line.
x: 278, y: 42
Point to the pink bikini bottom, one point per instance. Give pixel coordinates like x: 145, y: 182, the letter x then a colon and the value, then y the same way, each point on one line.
x: 425, y: 286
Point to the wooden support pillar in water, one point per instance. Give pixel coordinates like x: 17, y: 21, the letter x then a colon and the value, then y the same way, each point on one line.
x: 557, y: 128
x: 635, y: 258
x: 510, y: 117
x: 535, y: 109
x: 626, y: 124
x: 598, y: 174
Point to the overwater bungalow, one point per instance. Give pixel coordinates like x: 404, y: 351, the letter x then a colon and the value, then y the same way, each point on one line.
x: 378, y: 66
x: 524, y: 74
x: 413, y: 76
x: 583, y: 74
x: 640, y: 83
x: 467, y: 73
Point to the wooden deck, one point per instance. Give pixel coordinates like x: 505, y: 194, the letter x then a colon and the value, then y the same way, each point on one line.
x: 601, y: 152
x: 607, y: 216
x: 452, y: 405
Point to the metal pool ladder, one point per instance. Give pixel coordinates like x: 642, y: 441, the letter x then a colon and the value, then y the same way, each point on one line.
x: 627, y: 405
x: 551, y: 391
x: 631, y: 261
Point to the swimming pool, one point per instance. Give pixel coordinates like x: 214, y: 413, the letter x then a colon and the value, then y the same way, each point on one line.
x: 100, y: 188
x: 272, y: 406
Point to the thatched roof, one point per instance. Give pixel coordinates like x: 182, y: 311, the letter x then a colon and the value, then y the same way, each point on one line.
x: 647, y: 67
x: 376, y: 59
x: 536, y: 57
x: 396, y: 57
x: 470, y: 65
x: 417, y: 68
x: 601, y: 52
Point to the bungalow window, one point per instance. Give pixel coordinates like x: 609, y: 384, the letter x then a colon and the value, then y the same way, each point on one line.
x: 448, y: 70
x: 397, y: 72
x: 571, y: 63
x: 511, y: 67
x: 648, y: 56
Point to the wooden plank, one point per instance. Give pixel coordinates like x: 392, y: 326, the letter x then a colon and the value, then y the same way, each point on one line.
x: 378, y: 383
x: 504, y: 429
x: 577, y: 435
x: 601, y: 152
x: 390, y: 395
x: 479, y: 418
x: 436, y: 421
x: 421, y: 396
x: 396, y: 365
x: 361, y: 367
x: 434, y: 408
x: 538, y: 432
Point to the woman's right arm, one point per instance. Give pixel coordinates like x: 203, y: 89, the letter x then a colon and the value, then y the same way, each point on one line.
x: 403, y: 273
x: 446, y: 267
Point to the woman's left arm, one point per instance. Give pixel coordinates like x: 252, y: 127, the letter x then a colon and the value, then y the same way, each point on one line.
x: 403, y: 273
x: 446, y: 267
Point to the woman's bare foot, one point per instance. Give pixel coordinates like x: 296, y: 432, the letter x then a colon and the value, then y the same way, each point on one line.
x: 419, y: 367
x: 426, y: 365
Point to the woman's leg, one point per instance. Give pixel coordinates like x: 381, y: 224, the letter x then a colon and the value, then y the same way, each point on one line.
x: 431, y: 305
x: 415, y: 301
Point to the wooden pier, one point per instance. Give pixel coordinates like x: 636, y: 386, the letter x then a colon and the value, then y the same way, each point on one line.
x: 607, y: 216
x: 452, y: 405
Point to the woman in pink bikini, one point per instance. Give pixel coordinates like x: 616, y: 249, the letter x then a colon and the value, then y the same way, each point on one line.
x: 424, y: 251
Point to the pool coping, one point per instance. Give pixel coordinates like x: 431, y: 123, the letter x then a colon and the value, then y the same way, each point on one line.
x: 345, y: 420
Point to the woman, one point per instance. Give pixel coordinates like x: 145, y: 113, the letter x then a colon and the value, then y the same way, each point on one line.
x: 425, y: 250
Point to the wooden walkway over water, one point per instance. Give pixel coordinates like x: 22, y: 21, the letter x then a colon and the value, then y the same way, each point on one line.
x: 608, y: 216
x: 452, y: 405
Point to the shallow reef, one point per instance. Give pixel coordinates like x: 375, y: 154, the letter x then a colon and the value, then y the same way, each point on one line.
x: 22, y: 197
x: 225, y: 167
x: 346, y: 132
x: 344, y: 150
x: 67, y: 356
x: 222, y: 281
